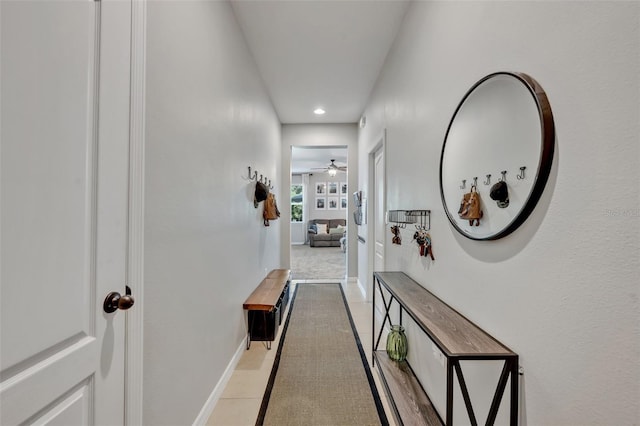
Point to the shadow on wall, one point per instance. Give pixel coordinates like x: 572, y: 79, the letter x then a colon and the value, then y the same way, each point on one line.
x: 488, y: 251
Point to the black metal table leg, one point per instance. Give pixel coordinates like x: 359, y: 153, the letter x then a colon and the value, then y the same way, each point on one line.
x: 449, y: 417
x: 373, y: 325
x: 514, y: 392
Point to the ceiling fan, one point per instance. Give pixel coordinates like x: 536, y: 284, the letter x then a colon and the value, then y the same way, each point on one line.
x: 332, y: 168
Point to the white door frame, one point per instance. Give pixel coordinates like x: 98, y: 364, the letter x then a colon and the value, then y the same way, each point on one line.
x: 381, y: 145
x: 135, y: 256
x: 286, y: 178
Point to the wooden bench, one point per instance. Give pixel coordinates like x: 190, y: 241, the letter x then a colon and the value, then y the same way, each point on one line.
x: 457, y: 338
x: 265, y: 307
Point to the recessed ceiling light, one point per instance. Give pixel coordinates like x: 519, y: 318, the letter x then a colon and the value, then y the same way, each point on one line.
x: 319, y: 111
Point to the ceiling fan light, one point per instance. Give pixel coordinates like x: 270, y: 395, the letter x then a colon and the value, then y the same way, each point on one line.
x: 319, y: 111
x: 332, y: 172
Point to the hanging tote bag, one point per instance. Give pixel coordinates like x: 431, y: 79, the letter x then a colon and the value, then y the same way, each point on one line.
x: 470, y: 208
x: 270, y: 211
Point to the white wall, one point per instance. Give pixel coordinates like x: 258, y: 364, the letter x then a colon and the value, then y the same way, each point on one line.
x: 562, y: 291
x: 208, y: 119
x: 324, y: 135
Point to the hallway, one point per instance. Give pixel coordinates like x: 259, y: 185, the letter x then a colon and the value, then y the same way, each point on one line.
x: 128, y: 128
x: 242, y: 396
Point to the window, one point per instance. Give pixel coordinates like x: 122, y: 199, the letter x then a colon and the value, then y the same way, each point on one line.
x: 296, y: 203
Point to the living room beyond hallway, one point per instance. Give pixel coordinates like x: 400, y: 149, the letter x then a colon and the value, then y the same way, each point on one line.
x: 317, y: 262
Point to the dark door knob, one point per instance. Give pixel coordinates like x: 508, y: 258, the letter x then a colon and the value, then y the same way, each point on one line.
x: 115, y: 301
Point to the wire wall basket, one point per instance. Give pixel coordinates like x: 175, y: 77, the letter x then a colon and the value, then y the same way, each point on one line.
x: 420, y: 218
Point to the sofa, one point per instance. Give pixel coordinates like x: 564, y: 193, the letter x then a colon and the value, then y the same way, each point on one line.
x: 335, y: 230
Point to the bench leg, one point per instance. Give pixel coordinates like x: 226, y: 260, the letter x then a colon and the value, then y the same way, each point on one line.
x: 248, y: 322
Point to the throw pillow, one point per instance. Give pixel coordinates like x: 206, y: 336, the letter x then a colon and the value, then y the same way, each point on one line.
x: 322, y: 228
x: 336, y: 231
x: 313, y: 227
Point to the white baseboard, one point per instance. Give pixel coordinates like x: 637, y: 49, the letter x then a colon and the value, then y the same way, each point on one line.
x: 363, y: 288
x: 209, y: 406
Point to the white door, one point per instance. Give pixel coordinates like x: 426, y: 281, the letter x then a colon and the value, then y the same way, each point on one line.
x: 64, y: 181
x: 379, y: 210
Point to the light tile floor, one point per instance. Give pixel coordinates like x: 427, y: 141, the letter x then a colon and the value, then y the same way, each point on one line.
x: 240, y: 401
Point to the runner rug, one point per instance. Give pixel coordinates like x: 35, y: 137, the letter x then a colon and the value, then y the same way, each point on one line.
x: 320, y: 375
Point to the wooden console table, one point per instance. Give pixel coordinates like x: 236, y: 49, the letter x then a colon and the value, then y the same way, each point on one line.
x: 458, y: 338
x: 265, y: 307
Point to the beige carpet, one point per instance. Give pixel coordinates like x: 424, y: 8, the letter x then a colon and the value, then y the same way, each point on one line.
x: 320, y: 375
x: 313, y: 263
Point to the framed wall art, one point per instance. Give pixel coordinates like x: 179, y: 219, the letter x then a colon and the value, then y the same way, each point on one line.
x: 332, y: 203
x: 343, y: 203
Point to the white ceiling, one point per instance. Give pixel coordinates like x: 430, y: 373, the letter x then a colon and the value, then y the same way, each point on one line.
x: 307, y: 159
x: 314, y: 53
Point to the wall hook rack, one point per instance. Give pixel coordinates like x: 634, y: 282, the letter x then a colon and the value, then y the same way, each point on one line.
x: 263, y: 179
x: 520, y: 176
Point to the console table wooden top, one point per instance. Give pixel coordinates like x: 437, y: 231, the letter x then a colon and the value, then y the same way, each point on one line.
x: 455, y: 334
x: 266, y: 295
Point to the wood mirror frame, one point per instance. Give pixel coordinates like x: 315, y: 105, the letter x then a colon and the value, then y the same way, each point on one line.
x: 488, y: 134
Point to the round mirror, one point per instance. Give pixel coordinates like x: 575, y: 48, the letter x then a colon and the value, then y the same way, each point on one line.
x: 500, y: 144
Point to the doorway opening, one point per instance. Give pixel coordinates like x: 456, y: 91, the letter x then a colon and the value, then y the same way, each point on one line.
x: 319, y: 208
